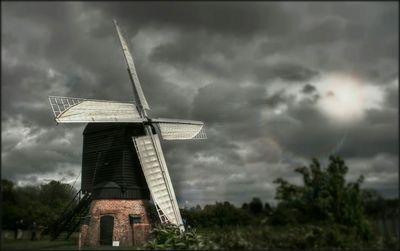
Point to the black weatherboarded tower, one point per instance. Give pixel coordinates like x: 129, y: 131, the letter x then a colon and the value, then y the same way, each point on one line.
x: 123, y: 165
x: 110, y: 164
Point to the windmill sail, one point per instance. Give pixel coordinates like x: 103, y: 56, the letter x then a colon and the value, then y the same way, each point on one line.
x: 174, y: 129
x: 141, y: 99
x: 157, y: 177
x: 78, y: 110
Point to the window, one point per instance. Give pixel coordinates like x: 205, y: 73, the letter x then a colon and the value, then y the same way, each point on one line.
x: 134, y: 218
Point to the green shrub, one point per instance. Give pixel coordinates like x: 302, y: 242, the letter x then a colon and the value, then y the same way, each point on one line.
x: 325, y: 197
x: 169, y: 237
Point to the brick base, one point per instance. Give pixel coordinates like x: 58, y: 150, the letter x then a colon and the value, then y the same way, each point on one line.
x: 123, y: 231
x: 140, y: 233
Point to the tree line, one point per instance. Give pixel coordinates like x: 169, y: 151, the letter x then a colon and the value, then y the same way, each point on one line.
x: 324, y: 212
x: 42, y: 204
x: 324, y: 198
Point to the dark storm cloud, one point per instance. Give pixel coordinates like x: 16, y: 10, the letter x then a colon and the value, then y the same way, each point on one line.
x: 315, y: 136
x: 378, y: 131
x: 167, y: 99
x: 344, y: 36
x: 285, y: 71
x: 227, y: 103
x: 312, y: 137
x: 188, y: 51
x: 37, y: 150
x: 378, y: 172
x: 233, y: 19
x: 308, y: 88
x: 239, y: 67
x: 204, y: 29
x: 392, y: 97
x: 276, y: 99
x: 21, y: 100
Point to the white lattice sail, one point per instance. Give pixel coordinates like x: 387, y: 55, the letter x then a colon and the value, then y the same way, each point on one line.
x: 173, y: 129
x: 78, y: 110
x: 132, y: 70
x: 158, y: 180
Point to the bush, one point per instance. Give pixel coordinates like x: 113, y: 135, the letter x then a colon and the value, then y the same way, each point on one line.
x: 304, y: 236
x: 169, y: 237
x: 325, y: 197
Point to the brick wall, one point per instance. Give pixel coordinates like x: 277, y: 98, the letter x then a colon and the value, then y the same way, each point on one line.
x: 123, y: 231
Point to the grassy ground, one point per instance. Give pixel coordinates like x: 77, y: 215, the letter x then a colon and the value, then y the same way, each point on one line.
x: 235, y: 238
x: 71, y: 244
x: 39, y: 245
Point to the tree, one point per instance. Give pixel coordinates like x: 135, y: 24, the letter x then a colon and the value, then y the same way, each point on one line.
x: 217, y: 215
x: 267, y: 208
x: 197, y: 208
x: 7, y: 188
x: 256, y: 206
x: 325, y: 196
x: 42, y: 203
x: 9, y: 211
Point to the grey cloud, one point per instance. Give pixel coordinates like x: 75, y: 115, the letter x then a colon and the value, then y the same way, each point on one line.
x: 166, y: 99
x: 316, y: 137
x: 263, y: 150
x: 18, y: 82
x: 378, y: 131
x: 39, y: 151
x: 227, y: 103
x: 380, y: 172
x: 312, y: 137
x: 228, y: 18
x: 285, y: 71
x: 188, y: 51
x: 276, y: 99
x: 392, y: 97
x: 337, y: 37
x: 308, y: 88
x: 325, y: 31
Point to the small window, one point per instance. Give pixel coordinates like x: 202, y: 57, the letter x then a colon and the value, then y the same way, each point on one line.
x: 134, y: 218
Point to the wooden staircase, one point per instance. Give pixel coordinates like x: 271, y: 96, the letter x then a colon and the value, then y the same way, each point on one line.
x: 71, y: 218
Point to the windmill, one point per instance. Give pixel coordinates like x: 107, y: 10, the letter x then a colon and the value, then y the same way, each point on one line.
x: 122, y: 157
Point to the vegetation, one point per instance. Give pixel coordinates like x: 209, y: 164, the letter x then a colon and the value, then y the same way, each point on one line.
x: 170, y: 237
x: 325, y: 212
x: 305, y: 236
x: 39, y: 245
x: 325, y: 197
x: 42, y: 204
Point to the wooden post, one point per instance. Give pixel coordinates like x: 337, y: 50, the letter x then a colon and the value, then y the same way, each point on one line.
x: 79, y: 241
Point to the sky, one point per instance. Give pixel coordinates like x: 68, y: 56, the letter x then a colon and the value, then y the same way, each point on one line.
x: 276, y: 83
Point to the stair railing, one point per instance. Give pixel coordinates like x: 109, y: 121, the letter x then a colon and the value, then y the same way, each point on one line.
x: 69, y: 213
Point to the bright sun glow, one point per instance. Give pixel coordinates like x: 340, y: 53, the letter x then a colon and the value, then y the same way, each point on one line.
x: 345, y: 99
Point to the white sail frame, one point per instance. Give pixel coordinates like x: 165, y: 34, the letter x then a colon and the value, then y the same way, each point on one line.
x: 137, y: 88
x: 80, y: 110
x: 178, y: 129
x: 156, y: 173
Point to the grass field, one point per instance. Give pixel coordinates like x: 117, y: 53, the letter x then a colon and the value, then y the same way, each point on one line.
x: 71, y: 244
x: 312, y: 237
x: 39, y: 245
